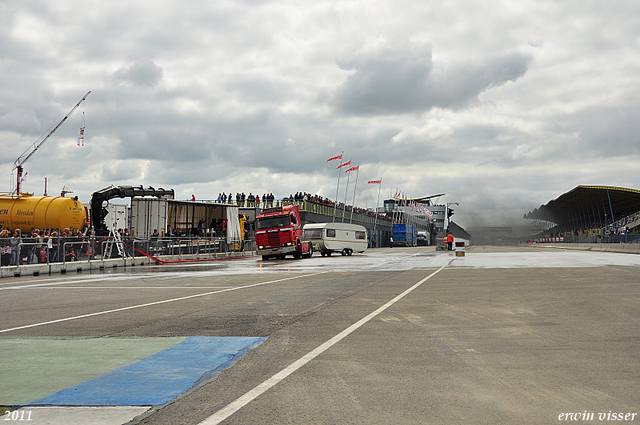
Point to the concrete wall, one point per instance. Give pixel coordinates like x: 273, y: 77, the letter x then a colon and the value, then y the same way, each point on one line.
x: 629, y: 248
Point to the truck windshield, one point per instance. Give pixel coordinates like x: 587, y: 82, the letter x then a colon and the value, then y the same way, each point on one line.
x: 271, y: 222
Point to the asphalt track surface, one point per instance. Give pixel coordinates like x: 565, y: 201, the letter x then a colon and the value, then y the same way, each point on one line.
x: 395, y: 336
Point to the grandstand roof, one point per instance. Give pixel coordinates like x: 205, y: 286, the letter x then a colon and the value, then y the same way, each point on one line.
x: 425, y: 198
x: 421, y: 199
x: 589, y: 204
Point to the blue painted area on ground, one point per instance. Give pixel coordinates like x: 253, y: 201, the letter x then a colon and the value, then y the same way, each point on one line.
x: 157, y: 379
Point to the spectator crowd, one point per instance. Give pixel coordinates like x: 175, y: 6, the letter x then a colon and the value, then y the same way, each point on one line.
x: 40, y: 246
x: 269, y: 200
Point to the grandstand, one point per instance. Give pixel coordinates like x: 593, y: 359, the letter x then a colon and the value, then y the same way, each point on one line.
x: 589, y: 214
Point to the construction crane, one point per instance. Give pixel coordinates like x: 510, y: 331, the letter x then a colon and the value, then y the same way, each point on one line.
x: 18, y: 164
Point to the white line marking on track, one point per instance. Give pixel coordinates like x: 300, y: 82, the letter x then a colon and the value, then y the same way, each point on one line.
x: 66, y: 319
x: 70, y: 282
x: 248, y: 397
x: 28, y: 284
x: 139, y: 287
x: 60, y: 279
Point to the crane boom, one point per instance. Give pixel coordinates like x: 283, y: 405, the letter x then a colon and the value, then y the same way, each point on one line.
x: 98, y: 211
x: 30, y: 151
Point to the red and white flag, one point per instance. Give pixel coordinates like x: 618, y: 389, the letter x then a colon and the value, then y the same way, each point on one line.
x: 352, y: 168
x: 375, y: 181
x: 345, y: 164
x: 334, y: 158
x: 81, y: 137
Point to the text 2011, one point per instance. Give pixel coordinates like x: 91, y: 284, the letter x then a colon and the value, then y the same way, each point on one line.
x: 17, y: 415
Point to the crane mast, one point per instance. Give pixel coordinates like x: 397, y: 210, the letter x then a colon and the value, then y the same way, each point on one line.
x: 30, y: 151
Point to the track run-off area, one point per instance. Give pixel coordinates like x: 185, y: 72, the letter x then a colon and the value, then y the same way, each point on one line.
x: 502, y: 335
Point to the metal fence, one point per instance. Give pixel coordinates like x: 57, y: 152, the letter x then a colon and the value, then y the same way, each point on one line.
x: 358, y: 215
x: 172, y: 248
x: 622, y: 238
x: 632, y: 238
x: 64, y: 250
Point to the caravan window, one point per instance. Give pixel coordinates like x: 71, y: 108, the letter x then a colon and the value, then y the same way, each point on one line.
x: 360, y: 235
x: 312, y: 234
x: 331, y: 233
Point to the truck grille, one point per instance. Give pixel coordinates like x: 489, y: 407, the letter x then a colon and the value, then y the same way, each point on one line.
x: 274, y: 239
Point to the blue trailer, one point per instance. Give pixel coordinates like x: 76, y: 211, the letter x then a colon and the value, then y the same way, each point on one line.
x: 405, y: 235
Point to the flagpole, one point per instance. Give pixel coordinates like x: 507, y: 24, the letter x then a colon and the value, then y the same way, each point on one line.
x: 396, y: 205
x: 337, y: 188
x: 375, y: 220
x: 354, y: 192
x: 346, y: 192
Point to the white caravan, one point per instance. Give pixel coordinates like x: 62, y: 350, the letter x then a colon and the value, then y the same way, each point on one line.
x: 328, y: 238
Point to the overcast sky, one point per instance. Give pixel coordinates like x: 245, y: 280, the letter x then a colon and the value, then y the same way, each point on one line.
x: 502, y: 105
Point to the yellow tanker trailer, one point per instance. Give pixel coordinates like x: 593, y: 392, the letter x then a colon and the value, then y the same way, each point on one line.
x: 42, y: 212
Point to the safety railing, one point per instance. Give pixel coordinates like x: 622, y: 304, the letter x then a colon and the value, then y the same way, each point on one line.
x: 621, y: 238
x: 42, y: 253
x: 182, y: 247
x: 67, y: 250
x: 341, y: 213
x: 626, y: 238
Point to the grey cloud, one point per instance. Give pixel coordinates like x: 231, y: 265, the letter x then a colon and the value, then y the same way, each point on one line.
x: 143, y: 74
x: 115, y: 172
x: 20, y: 120
x: 606, y: 131
x: 172, y: 141
x: 413, y: 83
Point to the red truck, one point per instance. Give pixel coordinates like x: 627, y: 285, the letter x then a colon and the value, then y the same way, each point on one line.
x: 279, y: 233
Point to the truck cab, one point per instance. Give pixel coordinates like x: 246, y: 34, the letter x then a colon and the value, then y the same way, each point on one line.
x: 279, y: 233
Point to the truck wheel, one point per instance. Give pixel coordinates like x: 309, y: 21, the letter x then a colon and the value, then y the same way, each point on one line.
x: 310, y: 253
x: 265, y: 257
x: 298, y: 253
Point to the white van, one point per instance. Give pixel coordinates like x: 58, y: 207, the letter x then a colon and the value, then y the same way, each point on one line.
x: 344, y: 238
